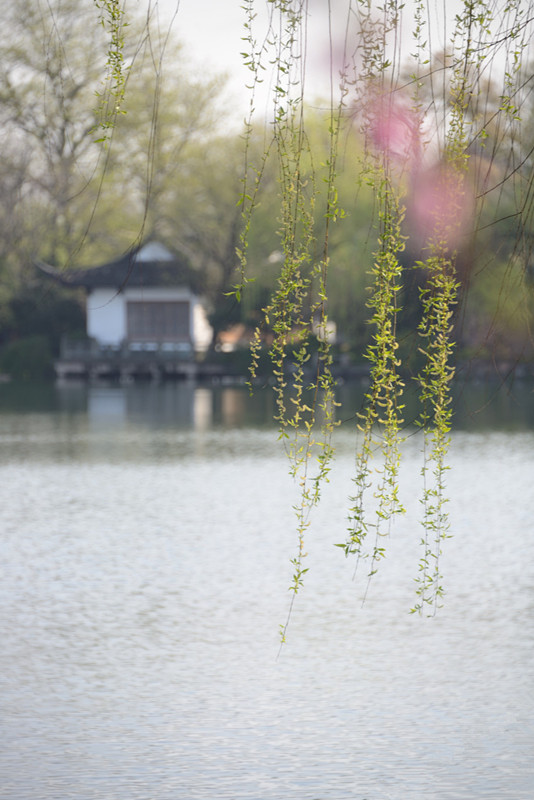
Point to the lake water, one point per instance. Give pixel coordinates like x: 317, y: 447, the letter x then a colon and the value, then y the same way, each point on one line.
x: 146, y: 534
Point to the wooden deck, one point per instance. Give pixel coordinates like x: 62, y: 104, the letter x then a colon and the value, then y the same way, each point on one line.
x: 85, y: 359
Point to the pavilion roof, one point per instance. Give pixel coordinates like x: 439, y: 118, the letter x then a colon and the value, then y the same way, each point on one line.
x: 150, y: 264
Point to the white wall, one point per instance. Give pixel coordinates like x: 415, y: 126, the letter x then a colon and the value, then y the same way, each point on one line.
x: 106, y: 313
x: 106, y: 316
x: 203, y: 331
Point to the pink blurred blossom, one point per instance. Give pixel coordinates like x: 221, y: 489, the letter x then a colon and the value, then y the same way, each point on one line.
x: 440, y: 206
x: 393, y: 128
x: 440, y: 201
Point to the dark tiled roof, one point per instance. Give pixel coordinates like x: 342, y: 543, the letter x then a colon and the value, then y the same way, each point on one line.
x: 148, y: 265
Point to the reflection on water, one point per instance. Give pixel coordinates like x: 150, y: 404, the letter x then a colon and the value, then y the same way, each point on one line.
x: 144, y: 555
x: 476, y: 406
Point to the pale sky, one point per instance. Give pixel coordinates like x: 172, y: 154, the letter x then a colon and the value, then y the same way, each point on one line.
x: 211, y: 32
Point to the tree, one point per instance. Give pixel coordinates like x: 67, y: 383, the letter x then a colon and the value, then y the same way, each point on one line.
x: 47, y: 107
x: 420, y: 137
x: 169, y: 115
x: 87, y: 178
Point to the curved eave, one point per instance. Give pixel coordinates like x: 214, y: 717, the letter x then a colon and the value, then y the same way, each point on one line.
x: 64, y: 278
x: 127, y: 271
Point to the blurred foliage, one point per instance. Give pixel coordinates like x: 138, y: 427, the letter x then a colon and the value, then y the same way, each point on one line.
x: 28, y: 359
x: 168, y: 170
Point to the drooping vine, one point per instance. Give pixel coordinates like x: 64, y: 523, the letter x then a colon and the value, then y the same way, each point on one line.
x: 296, y: 318
x: 418, y: 162
x: 380, y: 422
x: 112, y: 19
x: 448, y: 213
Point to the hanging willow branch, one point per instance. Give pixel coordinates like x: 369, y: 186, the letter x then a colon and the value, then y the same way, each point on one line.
x: 380, y: 422
x: 417, y: 194
x: 296, y: 315
x: 111, y: 99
